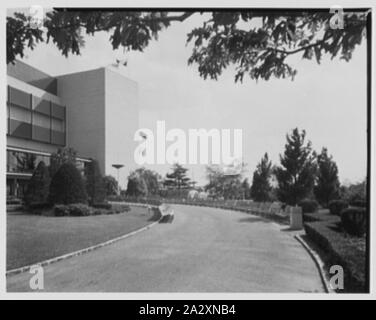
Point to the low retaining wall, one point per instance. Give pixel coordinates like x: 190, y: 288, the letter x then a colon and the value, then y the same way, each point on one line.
x: 289, y: 215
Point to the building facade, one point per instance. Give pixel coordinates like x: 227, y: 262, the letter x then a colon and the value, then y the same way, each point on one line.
x: 93, y: 112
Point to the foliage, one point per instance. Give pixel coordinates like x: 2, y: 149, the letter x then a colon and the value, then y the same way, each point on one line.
x: 75, y: 210
x: 222, y: 185
x: 136, y: 185
x: 20, y: 36
x: 111, y: 185
x: 67, y: 186
x: 261, y: 188
x: 254, y: 42
x: 336, y: 206
x: 339, y: 249
x: 61, y: 156
x: 308, y: 205
x: 327, y: 186
x: 142, y: 182
x: 354, y: 192
x: 296, y: 175
x: 81, y: 210
x: 246, y: 189
x: 354, y: 221
x: 94, y: 183
x: 177, y: 179
x: 38, y: 186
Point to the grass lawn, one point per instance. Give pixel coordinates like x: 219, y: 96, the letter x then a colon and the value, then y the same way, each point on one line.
x: 32, y: 238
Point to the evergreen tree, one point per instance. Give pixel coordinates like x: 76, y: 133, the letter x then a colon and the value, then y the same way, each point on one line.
x: 94, y: 183
x: 296, y: 175
x: 137, y: 186
x: 177, y: 179
x: 67, y: 186
x: 260, y: 190
x: 63, y: 155
x: 327, y: 187
x: 111, y: 185
x: 38, y: 186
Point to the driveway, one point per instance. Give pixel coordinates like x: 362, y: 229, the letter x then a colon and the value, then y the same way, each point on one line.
x: 203, y: 250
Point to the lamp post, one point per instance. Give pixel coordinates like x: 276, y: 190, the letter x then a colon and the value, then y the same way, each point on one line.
x: 118, y: 167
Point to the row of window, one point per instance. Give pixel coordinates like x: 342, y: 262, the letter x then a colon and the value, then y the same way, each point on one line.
x: 25, y: 162
x: 34, y: 118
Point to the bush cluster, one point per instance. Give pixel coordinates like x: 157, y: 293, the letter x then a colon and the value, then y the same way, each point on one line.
x: 308, y: 205
x: 354, y: 221
x: 67, y: 186
x: 341, y: 250
x: 359, y: 203
x: 82, y: 210
x: 337, y: 206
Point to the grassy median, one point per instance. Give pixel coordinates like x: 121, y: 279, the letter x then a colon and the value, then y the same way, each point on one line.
x: 32, y: 238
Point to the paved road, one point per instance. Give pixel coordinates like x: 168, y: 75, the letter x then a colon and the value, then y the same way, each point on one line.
x: 203, y: 250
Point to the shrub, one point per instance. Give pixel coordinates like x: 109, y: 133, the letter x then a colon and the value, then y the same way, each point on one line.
x: 103, y: 205
x: 308, y: 206
x: 38, y: 186
x: 94, y: 183
x: 336, y: 206
x: 359, y: 203
x: 111, y: 185
x: 76, y: 210
x: 341, y: 250
x: 354, y: 221
x: 67, y: 186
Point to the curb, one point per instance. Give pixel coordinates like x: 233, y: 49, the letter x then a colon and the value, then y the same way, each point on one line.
x: 83, y: 251
x: 319, y: 263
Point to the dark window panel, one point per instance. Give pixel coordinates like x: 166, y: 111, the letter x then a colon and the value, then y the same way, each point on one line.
x: 41, y: 105
x: 20, y: 129
x: 58, y: 137
x: 19, y: 98
x: 58, y: 111
x: 41, y: 134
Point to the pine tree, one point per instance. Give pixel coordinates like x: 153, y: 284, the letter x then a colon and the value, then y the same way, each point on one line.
x: 296, y: 175
x: 260, y: 190
x: 177, y: 179
x: 67, y: 186
x: 38, y: 186
x: 327, y: 187
x: 94, y: 183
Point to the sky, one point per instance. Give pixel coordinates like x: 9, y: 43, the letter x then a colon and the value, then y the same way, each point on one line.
x: 327, y: 100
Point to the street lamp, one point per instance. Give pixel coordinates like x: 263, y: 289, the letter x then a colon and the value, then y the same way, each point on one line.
x: 118, y: 167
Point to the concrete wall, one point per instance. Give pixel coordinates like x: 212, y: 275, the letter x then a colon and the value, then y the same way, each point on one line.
x: 29, y: 144
x: 33, y: 76
x: 83, y: 94
x: 121, y: 122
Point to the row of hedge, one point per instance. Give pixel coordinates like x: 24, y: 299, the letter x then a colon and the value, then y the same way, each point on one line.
x: 78, y: 209
x: 340, y: 250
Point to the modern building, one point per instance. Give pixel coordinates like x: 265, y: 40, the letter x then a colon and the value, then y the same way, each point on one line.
x: 95, y: 112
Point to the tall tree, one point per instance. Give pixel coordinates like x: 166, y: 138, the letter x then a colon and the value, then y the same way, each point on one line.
x: 60, y: 157
x: 296, y: 175
x: 261, y: 187
x: 111, y: 185
x: 95, y: 187
x: 327, y: 186
x: 137, y: 186
x: 38, y: 186
x: 143, y: 181
x: 256, y: 43
x: 177, y: 179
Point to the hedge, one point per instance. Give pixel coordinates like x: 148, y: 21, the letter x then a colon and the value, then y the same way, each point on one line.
x: 337, y: 206
x: 341, y: 250
x: 354, y: 221
x: 67, y: 186
x: 308, y: 205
